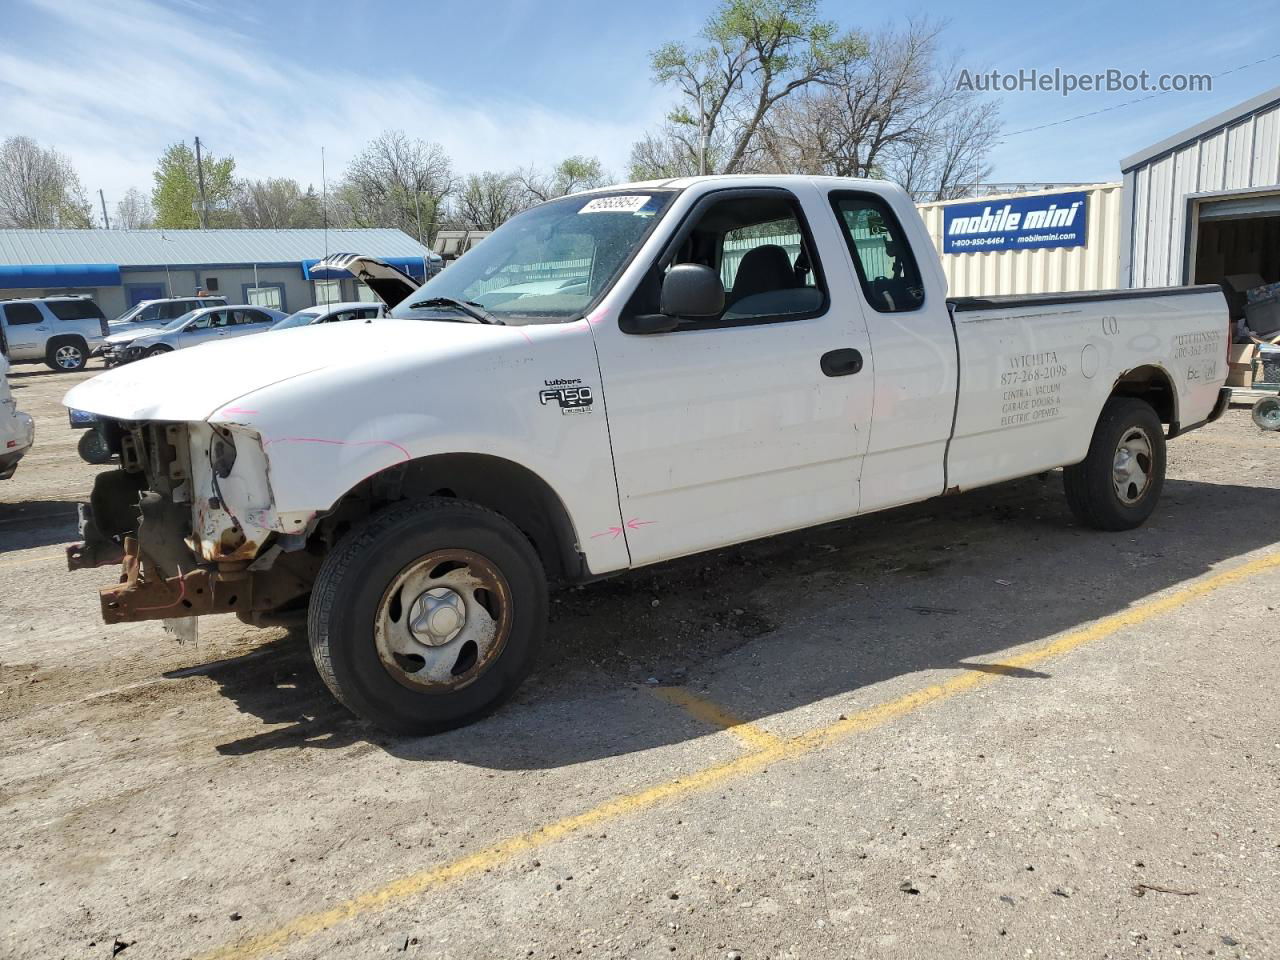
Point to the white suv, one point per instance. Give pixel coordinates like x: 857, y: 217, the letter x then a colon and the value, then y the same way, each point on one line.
x: 61, y: 331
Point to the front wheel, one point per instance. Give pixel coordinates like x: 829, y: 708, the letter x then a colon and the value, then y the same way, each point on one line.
x: 428, y: 616
x: 157, y: 352
x: 1117, y: 486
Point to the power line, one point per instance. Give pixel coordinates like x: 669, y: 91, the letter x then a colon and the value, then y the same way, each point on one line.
x: 1129, y: 103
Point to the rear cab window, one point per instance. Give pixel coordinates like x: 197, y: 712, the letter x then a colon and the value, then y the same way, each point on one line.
x: 882, y: 256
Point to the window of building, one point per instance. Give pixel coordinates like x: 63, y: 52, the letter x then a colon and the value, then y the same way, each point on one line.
x: 271, y: 297
x: 327, y: 291
x: 364, y: 294
x: 881, y: 253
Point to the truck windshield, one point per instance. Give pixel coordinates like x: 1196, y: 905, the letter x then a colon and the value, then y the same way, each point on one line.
x: 547, y: 264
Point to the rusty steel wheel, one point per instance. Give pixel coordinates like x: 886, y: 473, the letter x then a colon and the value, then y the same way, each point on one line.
x: 443, y: 620
x: 428, y: 615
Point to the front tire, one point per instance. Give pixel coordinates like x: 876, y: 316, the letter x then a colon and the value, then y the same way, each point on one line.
x: 93, y: 448
x: 157, y: 352
x: 1117, y: 486
x: 428, y: 616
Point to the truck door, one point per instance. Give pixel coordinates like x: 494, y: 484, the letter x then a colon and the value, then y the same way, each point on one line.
x: 913, y: 345
x: 753, y: 421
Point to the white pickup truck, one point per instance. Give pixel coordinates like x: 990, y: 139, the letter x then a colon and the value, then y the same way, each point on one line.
x: 610, y: 380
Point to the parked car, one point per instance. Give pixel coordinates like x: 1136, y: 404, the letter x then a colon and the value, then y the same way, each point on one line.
x: 156, y: 313
x: 332, y: 313
x: 60, y: 331
x: 202, y: 326
x: 775, y: 352
x: 147, y: 317
x: 17, y: 429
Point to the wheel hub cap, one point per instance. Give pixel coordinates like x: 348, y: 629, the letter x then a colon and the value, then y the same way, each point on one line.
x: 1131, y: 469
x: 438, y: 615
x: 442, y: 620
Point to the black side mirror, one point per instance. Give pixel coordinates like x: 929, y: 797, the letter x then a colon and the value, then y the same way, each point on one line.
x: 688, y: 290
x: 692, y: 290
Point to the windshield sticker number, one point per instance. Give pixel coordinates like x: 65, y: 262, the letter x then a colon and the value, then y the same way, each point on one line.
x: 627, y: 204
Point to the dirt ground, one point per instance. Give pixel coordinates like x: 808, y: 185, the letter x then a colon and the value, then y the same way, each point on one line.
x: 963, y: 729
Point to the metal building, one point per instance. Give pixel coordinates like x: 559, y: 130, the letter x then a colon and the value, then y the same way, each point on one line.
x: 1090, y: 263
x: 1204, y: 204
x: 271, y: 268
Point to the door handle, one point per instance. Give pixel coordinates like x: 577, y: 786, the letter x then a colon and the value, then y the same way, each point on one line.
x: 841, y: 363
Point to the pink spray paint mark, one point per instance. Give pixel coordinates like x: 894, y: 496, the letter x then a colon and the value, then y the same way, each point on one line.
x: 341, y: 443
x: 613, y: 533
x: 232, y: 411
x: 600, y: 316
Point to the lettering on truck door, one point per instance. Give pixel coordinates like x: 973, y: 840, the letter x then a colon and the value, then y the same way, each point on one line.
x: 728, y: 428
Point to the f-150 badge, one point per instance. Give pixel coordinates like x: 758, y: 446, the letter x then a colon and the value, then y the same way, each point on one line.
x: 569, y: 394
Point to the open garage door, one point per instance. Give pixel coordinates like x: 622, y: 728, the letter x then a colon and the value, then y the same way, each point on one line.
x: 1238, y: 245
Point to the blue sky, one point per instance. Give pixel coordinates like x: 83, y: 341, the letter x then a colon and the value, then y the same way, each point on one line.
x: 513, y: 82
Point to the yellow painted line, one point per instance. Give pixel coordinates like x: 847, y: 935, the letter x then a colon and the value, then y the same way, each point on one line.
x: 717, y: 716
x: 506, y: 850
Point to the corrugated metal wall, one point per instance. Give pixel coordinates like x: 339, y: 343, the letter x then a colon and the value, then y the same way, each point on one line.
x: 1095, y: 266
x: 1242, y: 155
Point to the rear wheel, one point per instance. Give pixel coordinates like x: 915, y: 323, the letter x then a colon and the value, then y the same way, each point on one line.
x: 428, y: 616
x: 1117, y: 486
x: 1266, y: 413
x: 67, y: 356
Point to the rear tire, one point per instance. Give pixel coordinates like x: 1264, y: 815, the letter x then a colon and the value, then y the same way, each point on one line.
x: 428, y: 616
x: 1266, y: 413
x: 1117, y: 486
x: 67, y: 356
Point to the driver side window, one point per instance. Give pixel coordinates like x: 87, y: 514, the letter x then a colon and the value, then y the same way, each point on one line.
x: 759, y: 245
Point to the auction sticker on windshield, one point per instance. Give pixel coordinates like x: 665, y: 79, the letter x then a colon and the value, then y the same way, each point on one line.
x: 625, y: 204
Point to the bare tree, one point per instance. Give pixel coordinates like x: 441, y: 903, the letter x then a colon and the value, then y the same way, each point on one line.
x: 487, y: 200
x: 39, y: 188
x: 895, y: 113
x: 133, y: 211
x: 756, y: 54
x: 568, y: 176
x: 276, y: 203
x: 396, y: 182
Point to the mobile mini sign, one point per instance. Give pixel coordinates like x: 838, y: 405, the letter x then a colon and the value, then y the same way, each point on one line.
x: 1019, y: 223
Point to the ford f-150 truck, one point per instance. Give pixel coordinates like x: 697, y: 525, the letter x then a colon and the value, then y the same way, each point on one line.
x: 611, y: 380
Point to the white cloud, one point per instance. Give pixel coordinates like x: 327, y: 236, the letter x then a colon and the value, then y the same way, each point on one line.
x: 179, y: 76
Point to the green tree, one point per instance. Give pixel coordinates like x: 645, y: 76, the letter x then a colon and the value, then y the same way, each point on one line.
x: 176, y: 194
x: 753, y: 55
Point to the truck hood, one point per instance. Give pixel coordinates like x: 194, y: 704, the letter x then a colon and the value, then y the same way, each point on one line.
x: 194, y: 384
x: 389, y: 284
x: 129, y: 332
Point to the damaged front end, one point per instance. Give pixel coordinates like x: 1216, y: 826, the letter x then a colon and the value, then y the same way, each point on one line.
x: 190, y: 516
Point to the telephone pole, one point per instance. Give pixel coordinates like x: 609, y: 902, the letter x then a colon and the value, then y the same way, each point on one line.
x: 204, y: 221
x: 105, y: 219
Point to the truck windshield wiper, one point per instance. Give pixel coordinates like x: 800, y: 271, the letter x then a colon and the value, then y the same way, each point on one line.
x: 472, y: 309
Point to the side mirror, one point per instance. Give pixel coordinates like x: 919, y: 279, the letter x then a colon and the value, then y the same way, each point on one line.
x: 692, y: 290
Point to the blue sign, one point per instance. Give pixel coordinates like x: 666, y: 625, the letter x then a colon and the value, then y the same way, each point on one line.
x: 1016, y: 223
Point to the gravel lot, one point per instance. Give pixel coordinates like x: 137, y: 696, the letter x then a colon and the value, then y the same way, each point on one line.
x: 962, y: 729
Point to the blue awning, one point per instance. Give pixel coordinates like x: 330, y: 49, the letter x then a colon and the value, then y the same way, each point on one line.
x: 22, y: 276
x: 410, y: 265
